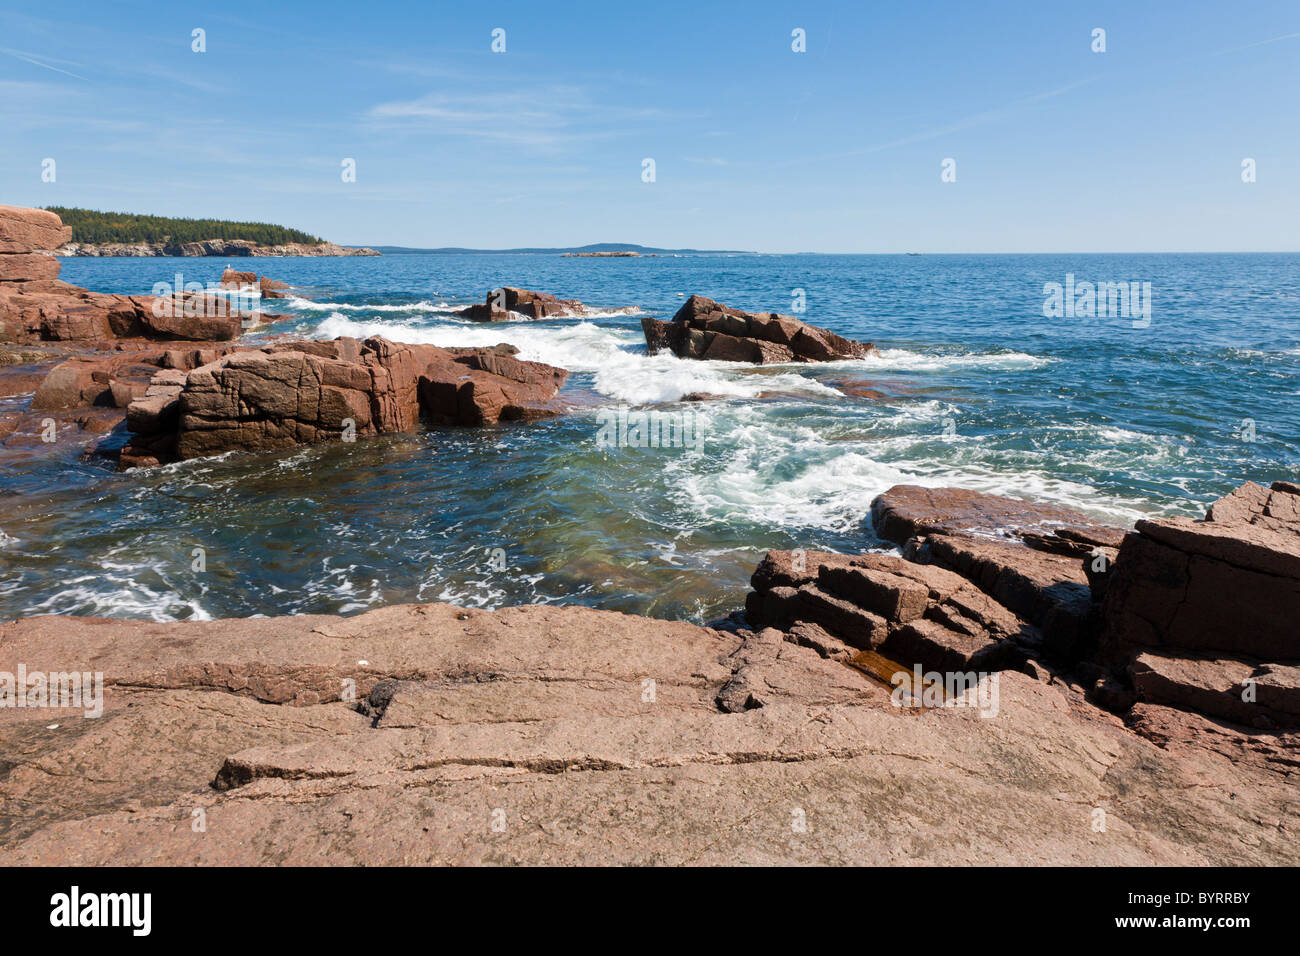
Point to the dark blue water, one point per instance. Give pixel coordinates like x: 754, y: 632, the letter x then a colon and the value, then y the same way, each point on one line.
x: 974, y: 386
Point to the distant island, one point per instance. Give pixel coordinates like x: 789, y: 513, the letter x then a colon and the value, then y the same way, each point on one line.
x: 598, y: 250
x: 96, y: 233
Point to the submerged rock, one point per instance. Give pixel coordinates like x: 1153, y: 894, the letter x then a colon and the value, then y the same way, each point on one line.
x: 704, y: 329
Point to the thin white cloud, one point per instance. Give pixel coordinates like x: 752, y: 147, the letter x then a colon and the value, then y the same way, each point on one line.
x: 1251, y: 46
x: 179, y: 78
x: 30, y: 58
x: 967, y: 122
x: 539, y: 116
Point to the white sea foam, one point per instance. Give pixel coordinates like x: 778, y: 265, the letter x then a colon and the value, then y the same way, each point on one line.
x: 778, y: 471
x: 795, y: 476
x: 338, y: 584
x: 578, y: 347
x: 307, y: 305
x: 630, y: 310
x: 906, y: 361
x: 623, y: 372
x: 120, y: 592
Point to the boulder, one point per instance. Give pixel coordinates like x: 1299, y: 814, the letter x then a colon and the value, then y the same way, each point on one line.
x: 194, y: 317
x: 28, y: 266
x: 509, y: 303
x: 30, y: 230
x: 1200, y: 615
x: 1276, y: 508
x: 113, y: 379
x: 85, y: 395
x: 911, y: 613
x: 506, y: 390
x: 75, y: 383
x: 1048, y: 590
x: 270, y: 288
x: 1040, y: 560
x: 1246, y: 692
x: 295, y: 393
x: 233, y: 280
x: 259, y: 400
x: 1229, y: 584
x: 54, y: 311
x: 704, y: 329
x: 266, y: 287
x: 906, y: 511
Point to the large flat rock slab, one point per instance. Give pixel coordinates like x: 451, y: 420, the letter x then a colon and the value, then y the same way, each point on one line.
x: 1246, y: 692
x: 1229, y: 584
x: 907, y: 511
x: 535, y: 735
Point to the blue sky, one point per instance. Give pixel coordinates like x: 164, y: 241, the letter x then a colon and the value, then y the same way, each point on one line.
x: 838, y: 149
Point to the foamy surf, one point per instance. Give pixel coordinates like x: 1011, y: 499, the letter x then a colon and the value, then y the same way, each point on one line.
x: 120, y: 592
x: 980, y: 395
x: 799, y: 476
x: 904, y: 360
x: 616, y: 356
x: 307, y: 305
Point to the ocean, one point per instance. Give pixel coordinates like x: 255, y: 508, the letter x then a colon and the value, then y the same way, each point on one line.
x: 979, y: 383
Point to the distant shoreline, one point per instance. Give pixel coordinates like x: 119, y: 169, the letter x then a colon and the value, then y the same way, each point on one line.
x: 223, y: 248
x: 599, y: 250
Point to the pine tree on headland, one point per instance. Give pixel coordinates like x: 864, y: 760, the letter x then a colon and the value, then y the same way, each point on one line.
x: 92, y: 226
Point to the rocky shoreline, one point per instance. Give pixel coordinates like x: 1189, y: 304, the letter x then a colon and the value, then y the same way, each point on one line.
x: 209, y: 247
x: 541, y: 734
x: 987, y: 680
x: 147, y: 380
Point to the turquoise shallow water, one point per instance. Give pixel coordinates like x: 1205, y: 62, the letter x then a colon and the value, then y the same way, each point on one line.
x: 974, y: 386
